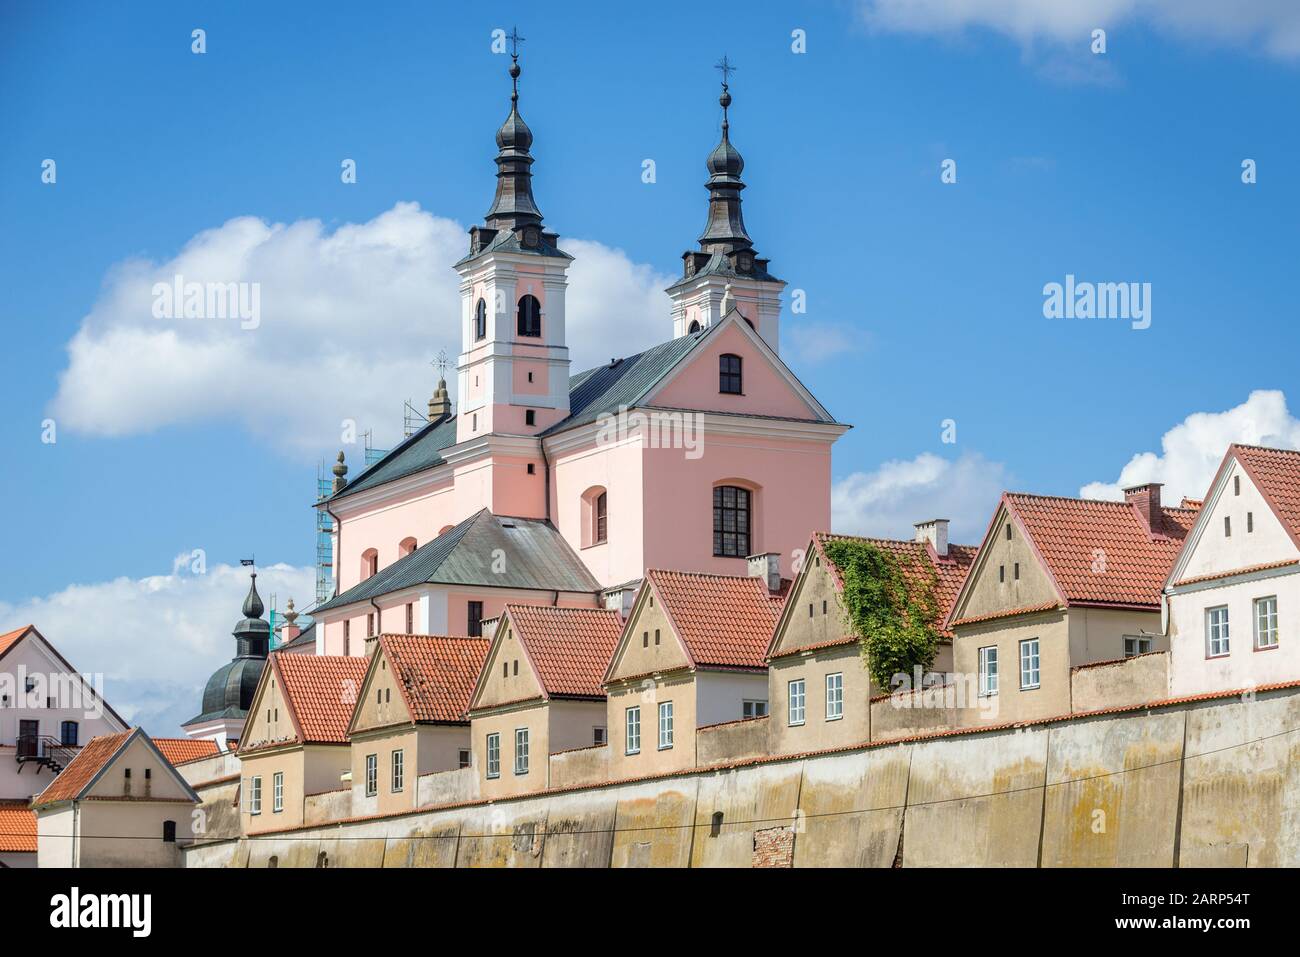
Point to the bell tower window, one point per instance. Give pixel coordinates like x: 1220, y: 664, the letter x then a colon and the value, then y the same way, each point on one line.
x: 480, y: 320
x: 530, y: 316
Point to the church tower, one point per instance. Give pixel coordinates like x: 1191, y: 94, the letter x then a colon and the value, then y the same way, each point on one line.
x: 514, y: 364
x: 726, y: 272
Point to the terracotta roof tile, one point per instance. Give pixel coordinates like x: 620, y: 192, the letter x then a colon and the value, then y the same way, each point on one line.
x: 321, y: 691
x: 17, y: 828
x: 722, y: 619
x: 1277, y: 474
x: 180, y: 750
x: 436, y: 674
x: 9, y: 639
x: 569, y: 648
x: 1101, y: 551
x: 917, y: 561
x: 73, y: 779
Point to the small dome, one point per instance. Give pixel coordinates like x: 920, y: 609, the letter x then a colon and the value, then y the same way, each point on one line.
x: 725, y: 160
x: 514, y: 133
x: 231, y: 687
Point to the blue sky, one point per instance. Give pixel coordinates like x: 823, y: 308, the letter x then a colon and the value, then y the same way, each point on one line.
x: 924, y: 299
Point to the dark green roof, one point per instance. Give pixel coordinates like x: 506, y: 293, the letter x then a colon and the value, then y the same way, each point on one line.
x: 421, y: 451
x: 485, y: 550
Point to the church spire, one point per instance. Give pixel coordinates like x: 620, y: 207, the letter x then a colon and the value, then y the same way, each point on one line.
x: 724, y: 232
x: 514, y: 206
x: 252, y: 633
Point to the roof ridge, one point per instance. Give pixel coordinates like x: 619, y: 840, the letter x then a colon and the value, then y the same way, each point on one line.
x: 1068, y: 498
x: 690, y: 574
x: 1262, y: 448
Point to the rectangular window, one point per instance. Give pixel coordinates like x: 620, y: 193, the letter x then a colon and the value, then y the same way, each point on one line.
x: 399, y: 771
x: 1029, y: 672
x: 1227, y: 526
x: 1266, y: 622
x: 602, y: 518
x: 463, y: 758
x: 1216, y: 631
x: 410, y: 618
x: 370, y: 625
x: 665, y: 725
x: 989, y: 670
x: 277, y: 792
x: 753, y: 709
x: 1250, y: 521
x: 598, y: 736
x: 475, y: 619
x: 796, y: 698
x: 731, y: 506
x: 521, y: 750
x: 372, y: 775
x: 1136, y: 645
x: 632, y: 741
x: 530, y: 417
x: 494, y: 755
x: 729, y: 381
x: 254, y: 795
x: 834, y: 697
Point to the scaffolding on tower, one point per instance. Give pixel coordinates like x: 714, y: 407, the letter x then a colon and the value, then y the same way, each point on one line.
x: 324, y: 539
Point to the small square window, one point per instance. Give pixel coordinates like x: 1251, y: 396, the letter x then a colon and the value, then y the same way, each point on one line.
x: 530, y: 417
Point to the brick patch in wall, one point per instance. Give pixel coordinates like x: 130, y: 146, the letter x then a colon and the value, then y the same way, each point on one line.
x: 774, y: 847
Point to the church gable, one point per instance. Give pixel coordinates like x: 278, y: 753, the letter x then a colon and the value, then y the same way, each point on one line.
x: 766, y: 386
x: 508, y: 675
x: 649, y: 642
x: 381, y: 703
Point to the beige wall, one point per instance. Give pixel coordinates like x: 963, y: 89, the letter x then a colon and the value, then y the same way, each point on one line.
x: 647, y: 694
x: 269, y: 720
x: 734, y: 741
x: 426, y: 748
x: 381, y: 704
x: 1120, y: 683
x: 151, y: 776
x: 507, y: 676
x: 985, y: 594
x: 640, y: 654
x: 112, y: 833
x: 533, y: 716
x: 313, y: 769
x: 584, y: 766
x: 815, y: 590
x: 817, y: 732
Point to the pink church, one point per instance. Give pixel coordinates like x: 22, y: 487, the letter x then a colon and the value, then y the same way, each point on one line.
x: 704, y: 453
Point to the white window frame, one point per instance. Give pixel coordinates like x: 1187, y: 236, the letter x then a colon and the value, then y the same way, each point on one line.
x: 988, y: 677
x: 493, y: 748
x: 1031, y: 671
x: 397, y: 765
x: 372, y: 775
x: 1218, y: 632
x: 632, y: 730
x: 835, y: 696
x: 796, y: 700
x: 753, y: 708
x: 255, y: 794
x: 521, y: 751
x: 1143, y: 643
x: 277, y: 792
x: 665, y: 725
x: 1267, y: 604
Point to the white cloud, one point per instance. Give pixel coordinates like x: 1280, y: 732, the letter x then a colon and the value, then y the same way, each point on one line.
x: 888, y: 501
x: 349, y: 322
x: 156, y: 639
x: 811, y: 341
x: 1191, y: 451
x: 1270, y: 25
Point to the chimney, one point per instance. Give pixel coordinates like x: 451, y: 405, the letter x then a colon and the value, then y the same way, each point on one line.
x: 372, y: 642
x: 488, y: 627
x: 767, y: 568
x: 620, y: 599
x: 934, y: 531
x: 1146, y: 499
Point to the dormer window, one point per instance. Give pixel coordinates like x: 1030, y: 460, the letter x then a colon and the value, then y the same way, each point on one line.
x: 530, y: 316
x: 729, y: 375
x: 480, y: 320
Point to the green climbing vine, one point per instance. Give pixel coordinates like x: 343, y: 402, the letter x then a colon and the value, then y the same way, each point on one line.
x: 892, y: 615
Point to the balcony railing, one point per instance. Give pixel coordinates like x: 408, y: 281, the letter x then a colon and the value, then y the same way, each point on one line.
x: 45, y: 752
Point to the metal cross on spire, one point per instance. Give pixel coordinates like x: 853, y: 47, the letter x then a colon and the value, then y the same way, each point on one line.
x: 726, y: 67
x: 515, y: 39
x: 441, y: 362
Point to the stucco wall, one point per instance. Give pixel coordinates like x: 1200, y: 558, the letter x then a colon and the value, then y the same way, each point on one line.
x: 733, y: 741
x: 580, y: 766
x: 1115, y: 684
x: 1204, y: 783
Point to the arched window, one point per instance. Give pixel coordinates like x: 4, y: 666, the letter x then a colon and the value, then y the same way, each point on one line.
x: 406, y: 546
x: 369, y: 562
x: 530, y: 316
x: 480, y: 320
x: 595, y: 516
x: 729, y: 378
x: 695, y: 327
x: 731, y: 518
x: 68, y: 731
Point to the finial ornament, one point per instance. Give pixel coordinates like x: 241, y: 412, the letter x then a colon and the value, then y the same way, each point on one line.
x: 340, y: 471
x: 726, y: 68
x: 515, y: 39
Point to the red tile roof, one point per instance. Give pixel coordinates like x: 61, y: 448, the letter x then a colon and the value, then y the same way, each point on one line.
x: 321, y: 692
x: 569, y: 648
x: 1101, y: 552
x: 180, y: 750
x: 9, y: 639
x: 436, y: 675
x: 73, y: 779
x: 1276, y: 472
x: 723, y: 620
x: 919, y: 563
x: 17, y: 828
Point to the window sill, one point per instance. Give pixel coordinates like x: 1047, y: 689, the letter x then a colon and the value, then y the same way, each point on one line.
x: 1226, y: 654
x: 835, y: 717
x: 1030, y: 687
x: 796, y: 724
x: 520, y: 774
x: 1268, y: 648
x: 665, y: 747
x: 494, y: 777
x: 594, y: 545
x: 630, y: 753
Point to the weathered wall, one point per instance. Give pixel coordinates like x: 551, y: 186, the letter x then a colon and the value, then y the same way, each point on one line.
x: 218, y: 817
x: 914, y: 712
x: 1204, y: 783
x: 581, y: 766
x: 1116, y: 684
x: 733, y: 741
x: 221, y: 765
x: 447, y: 787
x: 327, y: 806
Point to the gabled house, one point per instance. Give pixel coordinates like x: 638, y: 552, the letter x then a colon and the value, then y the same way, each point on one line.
x: 1059, y: 583
x: 295, y: 740
x: 120, y: 803
x: 48, y: 710
x: 410, y: 718
x: 691, y: 654
x: 1233, y: 595
x: 818, y: 682
x: 453, y: 583
x: 540, y: 692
